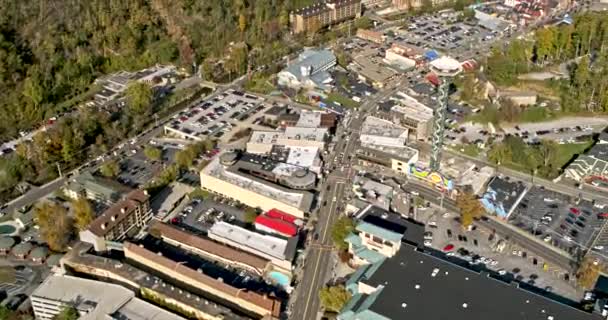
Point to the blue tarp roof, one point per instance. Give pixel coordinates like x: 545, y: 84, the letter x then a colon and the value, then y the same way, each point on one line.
x: 431, y: 55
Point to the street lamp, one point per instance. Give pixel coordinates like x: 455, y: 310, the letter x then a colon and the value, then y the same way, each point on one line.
x: 445, y: 68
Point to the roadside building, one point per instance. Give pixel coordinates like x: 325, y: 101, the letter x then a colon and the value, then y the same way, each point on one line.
x: 261, y: 142
x: 412, y: 114
x: 519, y: 98
x: 304, y: 157
x: 6, y: 244
x: 372, y: 69
x: 502, y: 196
x: 22, y: 250
x: 381, y: 132
x: 406, y: 4
x: 310, y: 70
x: 125, y: 217
x: 592, y: 166
x: 373, y: 192
x: 370, y: 35
x: 322, y: 14
x: 209, y: 249
x: 398, y: 158
x: 378, y: 235
x: 279, y: 223
x: 93, y: 300
x: 98, y: 189
x: 405, y: 58
x: 280, y: 252
x: 475, y: 178
x: 260, y: 186
x: 414, y: 284
x: 39, y: 255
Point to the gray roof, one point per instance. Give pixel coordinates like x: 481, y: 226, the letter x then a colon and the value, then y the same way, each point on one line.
x: 39, y: 253
x: 23, y: 248
x: 410, y: 231
x: 418, y: 285
x: 313, y: 59
x: 6, y: 243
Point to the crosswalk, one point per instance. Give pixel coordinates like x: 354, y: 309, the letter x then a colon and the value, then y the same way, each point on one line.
x: 22, y: 277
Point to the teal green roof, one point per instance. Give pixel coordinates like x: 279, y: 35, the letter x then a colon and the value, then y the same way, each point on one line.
x: 357, y: 308
x: 368, y: 255
x: 353, y: 239
x: 379, y: 232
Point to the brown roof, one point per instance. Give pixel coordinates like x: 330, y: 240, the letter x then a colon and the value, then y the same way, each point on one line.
x: 209, y: 246
x: 104, y: 222
x: 268, y: 303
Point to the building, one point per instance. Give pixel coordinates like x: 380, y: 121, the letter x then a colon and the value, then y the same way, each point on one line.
x: 323, y: 14
x: 400, y: 159
x: 414, y: 284
x: 592, y: 166
x: 125, y: 217
x: 231, y: 178
x: 261, y: 142
x: 93, y: 300
x: 308, y: 119
x: 372, y: 69
x: 412, y: 114
x: 303, y: 157
x: 114, y: 85
x: 379, y: 234
x: 502, y: 196
x: 310, y: 70
x: 475, y: 178
x: 381, y: 132
x: 260, y: 305
x: 209, y: 249
x: 95, y: 188
x: 407, y: 4
x: 280, y: 252
x: 373, y: 192
x: 279, y: 223
x: 519, y: 98
x: 370, y: 35
x: 402, y: 57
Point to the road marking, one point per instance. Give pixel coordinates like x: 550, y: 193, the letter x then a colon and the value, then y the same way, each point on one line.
x: 314, y: 275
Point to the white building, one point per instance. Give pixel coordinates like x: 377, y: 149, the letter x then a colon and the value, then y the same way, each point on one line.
x: 382, y: 132
x: 261, y: 142
x: 94, y: 300
x: 309, y: 70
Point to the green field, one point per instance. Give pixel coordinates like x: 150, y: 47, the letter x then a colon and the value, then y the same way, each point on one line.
x: 344, y: 101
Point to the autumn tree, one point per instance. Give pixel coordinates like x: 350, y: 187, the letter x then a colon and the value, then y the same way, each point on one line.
x: 67, y: 313
x: 588, y: 272
x: 470, y: 208
x: 110, y: 169
x: 153, y: 153
x: 340, y: 230
x: 83, y: 213
x: 55, y: 225
x: 334, y: 298
x: 139, y: 98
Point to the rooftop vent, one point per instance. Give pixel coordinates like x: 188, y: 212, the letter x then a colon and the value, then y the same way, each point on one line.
x: 465, y: 305
x: 113, y: 218
x: 123, y: 209
x: 103, y: 226
x: 403, y: 305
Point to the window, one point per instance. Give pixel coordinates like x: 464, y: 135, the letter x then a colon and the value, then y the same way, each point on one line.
x: 376, y: 239
x: 367, y: 235
x: 388, y: 244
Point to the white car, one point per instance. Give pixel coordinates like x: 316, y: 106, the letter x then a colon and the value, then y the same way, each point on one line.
x: 547, y: 238
x: 415, y: 193
x: 494, y: 263
x: 428, y: 243
x: 598, y: 247
x: 502, y: 272
x: 432, y: 223
x: 567, y: 238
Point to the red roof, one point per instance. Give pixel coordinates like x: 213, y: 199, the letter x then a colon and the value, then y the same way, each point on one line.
x: 280, y: 226
x: 433, y: 79
x: 278, y: 214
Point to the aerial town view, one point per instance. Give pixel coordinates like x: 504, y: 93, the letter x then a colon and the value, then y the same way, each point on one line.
x: 304, y: 160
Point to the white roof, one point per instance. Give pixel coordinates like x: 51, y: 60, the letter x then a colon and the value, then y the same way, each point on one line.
x: 446, y: 66
x: 309, y: 119
x: 303, y: 156
x: 412, y: 107
x: 256, y: 242
x: 265, y: 137
x: 376, y: 127
x: 106, y: 298
x: 301, y: 133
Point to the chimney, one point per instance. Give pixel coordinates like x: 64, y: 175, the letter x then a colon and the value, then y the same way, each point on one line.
x: 123, y: 209
x: 103, y: 226
x: 146, y: 192
x: 113, y: 218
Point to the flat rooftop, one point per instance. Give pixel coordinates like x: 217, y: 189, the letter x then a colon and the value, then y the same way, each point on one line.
x: 370, y: 66
x: 310, y: 119
x: 417, y: 285
x: 404, y: 153
x: 106, y: 299
x: 278, y: 248
x: 303, y: 133
x: 294, y: 198
x: 411, y: 107
x: 383, y: 128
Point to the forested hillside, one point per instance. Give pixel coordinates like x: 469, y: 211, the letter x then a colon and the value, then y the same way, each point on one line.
x: 51, y: 51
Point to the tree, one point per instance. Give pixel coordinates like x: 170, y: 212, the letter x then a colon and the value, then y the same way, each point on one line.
x: 250, y: 214
x: 334, y: 298
x: 139, y: 98
x: 67, y: 313
x: 242, y: 23
x: 110, y: 169
x: 341, y: 229
x: 470, y: 208
x: 185, y: 158
x: 83, y: 213
x: 55, y: 225
x: 153, y: 153
x: 588, y: 272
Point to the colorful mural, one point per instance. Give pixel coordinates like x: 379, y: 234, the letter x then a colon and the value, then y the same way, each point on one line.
x: 432, y: 177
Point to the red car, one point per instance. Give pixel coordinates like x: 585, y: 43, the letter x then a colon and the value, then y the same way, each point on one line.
x: 448, y: 248
x: 575, y: 211
x: 603, y: 215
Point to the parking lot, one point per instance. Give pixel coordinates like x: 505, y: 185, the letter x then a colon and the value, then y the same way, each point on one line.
x: 215, y: 117
x: 136, y: 169
x: 198, y: 216
x: 479, y: 249
x: 558, y: 220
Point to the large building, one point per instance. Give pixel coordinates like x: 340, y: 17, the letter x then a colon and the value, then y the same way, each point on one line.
x: 261, y: 142
x: 414, y: 284
x: 114, y: 85
x: 95, y: 188
x: 308, y: 119
x: 310, y: 70
x: 280, y: 252
x: 382, y: 133
x: 502, y: 196
x: 413, y: 115
x: 93, y: 300
x: 266, y: 186
x: 397, y: 158
x: 379, y: 234
x: 323, y: 14
x: 124, y: 217
x: 370, y: 35
x: 372, y: 68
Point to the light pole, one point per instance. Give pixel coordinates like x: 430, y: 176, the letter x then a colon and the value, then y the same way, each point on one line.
x: 445, y: 68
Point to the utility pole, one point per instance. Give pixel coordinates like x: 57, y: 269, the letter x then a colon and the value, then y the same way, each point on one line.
x: 59, y: 170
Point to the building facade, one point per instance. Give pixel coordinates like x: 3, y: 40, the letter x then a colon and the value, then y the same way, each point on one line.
x: 323, y: 14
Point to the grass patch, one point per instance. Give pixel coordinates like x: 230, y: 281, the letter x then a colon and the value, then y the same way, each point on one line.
x: 259, y: 84
x: 566, y: 152
x: 535, y: 114
x: 470, y: 149
x: 344, y: 101
x: 7, y: 275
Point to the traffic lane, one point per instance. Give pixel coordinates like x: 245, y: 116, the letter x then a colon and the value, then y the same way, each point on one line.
x: 34, y: 194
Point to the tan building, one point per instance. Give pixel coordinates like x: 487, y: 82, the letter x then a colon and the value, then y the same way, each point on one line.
x: 261, y: 142
x: 414, y: 4
x: 221, y: 178
x: 371, y: 35
x: 414, y: 115
x: 323, y: 14
x: 124, y: 217
x: 397, y: 158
